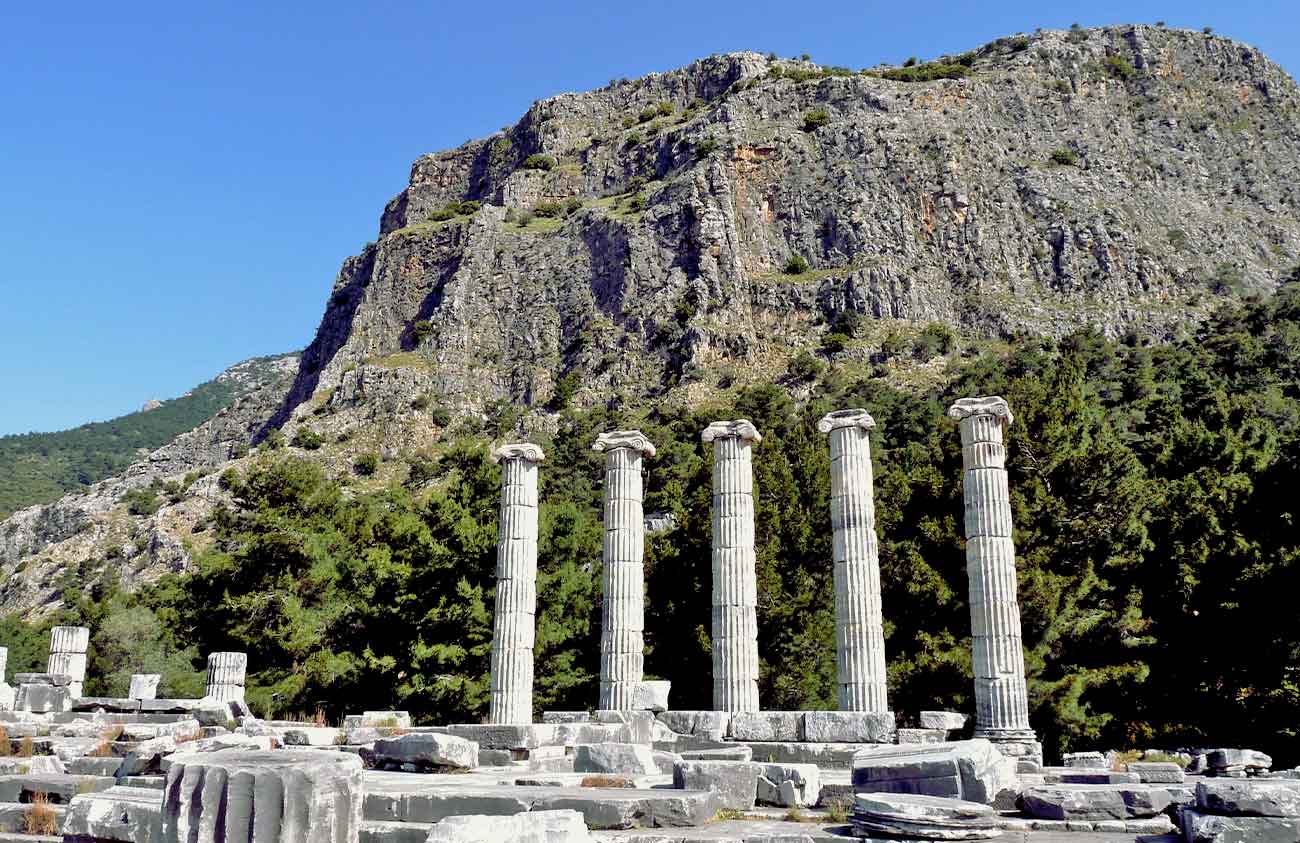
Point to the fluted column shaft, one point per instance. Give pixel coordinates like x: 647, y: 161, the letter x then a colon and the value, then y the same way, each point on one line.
x: 859, y: 626
x: 1001, y: 701
x: 68, y: 645
x: 227, y: 673
x: 622, y: 648
x: 514, y: 620
x: 735, y: 587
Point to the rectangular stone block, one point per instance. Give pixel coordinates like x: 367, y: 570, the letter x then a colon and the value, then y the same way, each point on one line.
x: 43, y: 698
x: 767, y: 725
x: 848, y: 726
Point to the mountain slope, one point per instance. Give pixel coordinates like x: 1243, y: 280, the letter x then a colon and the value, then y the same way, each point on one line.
x: 630, y: 242
x: 38, y: 468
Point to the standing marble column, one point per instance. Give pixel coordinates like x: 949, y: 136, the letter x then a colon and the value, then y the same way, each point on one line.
x: 859, y: 627
x: 68, y: 646
x: 1001, y: 704
x: 514, y: 621
x: 735, y: 588
x: 622, y: 649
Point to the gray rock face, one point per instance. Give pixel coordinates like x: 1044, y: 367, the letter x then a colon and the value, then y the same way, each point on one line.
x: 1258, y: 798
x: 626, y: 759
x: 304, y: 796
x: 973, y: 771
x: 922, y: 817
x: 735, y: 782
x: 533, y: 827
x: 1085, y: 760
x: 119, y: 814
x: 789, y: 785
x: 1094, y: 802
x: 425, y: 752
x: 144, y: 686
x: 1227, y: 761
x: 767, y: 725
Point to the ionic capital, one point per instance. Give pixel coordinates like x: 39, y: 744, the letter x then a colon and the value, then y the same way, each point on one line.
x: 634, y: 439
x: 740, y: 429
x: 991, y: 405
x: 520, y: 451
x: 846, y: 418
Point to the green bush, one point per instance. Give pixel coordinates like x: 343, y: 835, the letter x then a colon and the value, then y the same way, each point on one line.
x: 632, y: 140
x: 366, y: 464
x: 1119, y: 67
x: 525, y: 217
x: 274, y: 441
x: 566, y: 386
x: 647, y: 114
x: 911, y: 62
x: 637, y: 202
x: 307, y: 439
x: 422, y: 330
x: 141, y: 502
x: 572, y: 205
x: 805, y: 366
x: 833, y: 342
x: 795, y: 265
x: 538, y: 161
x: 704, y: 148
x: 440, y: 416
x: 548, y: 209
x: 934, y: 339
x: 927, y: 72
x: 1065, y: 157
x: 814, y: 120
x: 665, y: 109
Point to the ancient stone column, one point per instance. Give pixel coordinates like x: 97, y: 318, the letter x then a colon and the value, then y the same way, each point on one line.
x: 622, y: 657
x: 735, y: 589
x: 1001, y: 704
x: 68, y: 646
x: 226, y: 672
x: 513, y: 623
x: 258, y: 796
x: 4, y: 663
x: 859, y: 628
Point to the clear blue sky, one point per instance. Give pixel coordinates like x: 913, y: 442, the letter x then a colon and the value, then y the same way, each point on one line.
x: 179, y: 182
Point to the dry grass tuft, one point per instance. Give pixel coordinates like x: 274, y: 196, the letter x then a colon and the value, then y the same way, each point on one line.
x: 187, y: 737
x: 26, y: 749
x: 6, y: 748
x: 40, y: 818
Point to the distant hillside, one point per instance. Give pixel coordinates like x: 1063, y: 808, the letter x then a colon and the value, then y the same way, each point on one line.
x: 42, y: 467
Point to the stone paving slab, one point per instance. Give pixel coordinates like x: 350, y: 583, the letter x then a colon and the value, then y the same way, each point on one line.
x: 754, y: 831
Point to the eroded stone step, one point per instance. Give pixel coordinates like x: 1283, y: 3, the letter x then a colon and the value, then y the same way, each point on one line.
x: 378, y: 831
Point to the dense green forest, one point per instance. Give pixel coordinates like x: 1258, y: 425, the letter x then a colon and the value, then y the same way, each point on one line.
x: 42, y: 467
x: 1152, y: 488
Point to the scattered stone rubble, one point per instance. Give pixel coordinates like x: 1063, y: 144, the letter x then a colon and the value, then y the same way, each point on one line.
x: 141, y: 769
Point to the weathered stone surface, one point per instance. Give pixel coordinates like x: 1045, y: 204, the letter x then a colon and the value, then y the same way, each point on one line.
x: 618, y: 758
x: 848, y: 726
x: 43, y: 698
x: 378, y: 719
x: 652, y: 695
x: 972, y: 770
x: 1085, y: 760
x: 789, y: 785
x: 1221, y: 761
x: 922, y: 736
x: 144, y: 686
x: 1157, y: 772
x: 535, y: 827
x: 714, y: 725
x: 735, y: 782
x: 1208, y: 828
x: 226, y: 673
x: 119, y: 814
x: 287, y: 795
x: 949, y: 720
x: 1252, y: 797
x: 424, y: 753
x: 1094, y: 802
x: 767, y: 725
x: 60, y: 789
x: 146, y: 757
x: 730, y: 753
x: 922, y: 817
